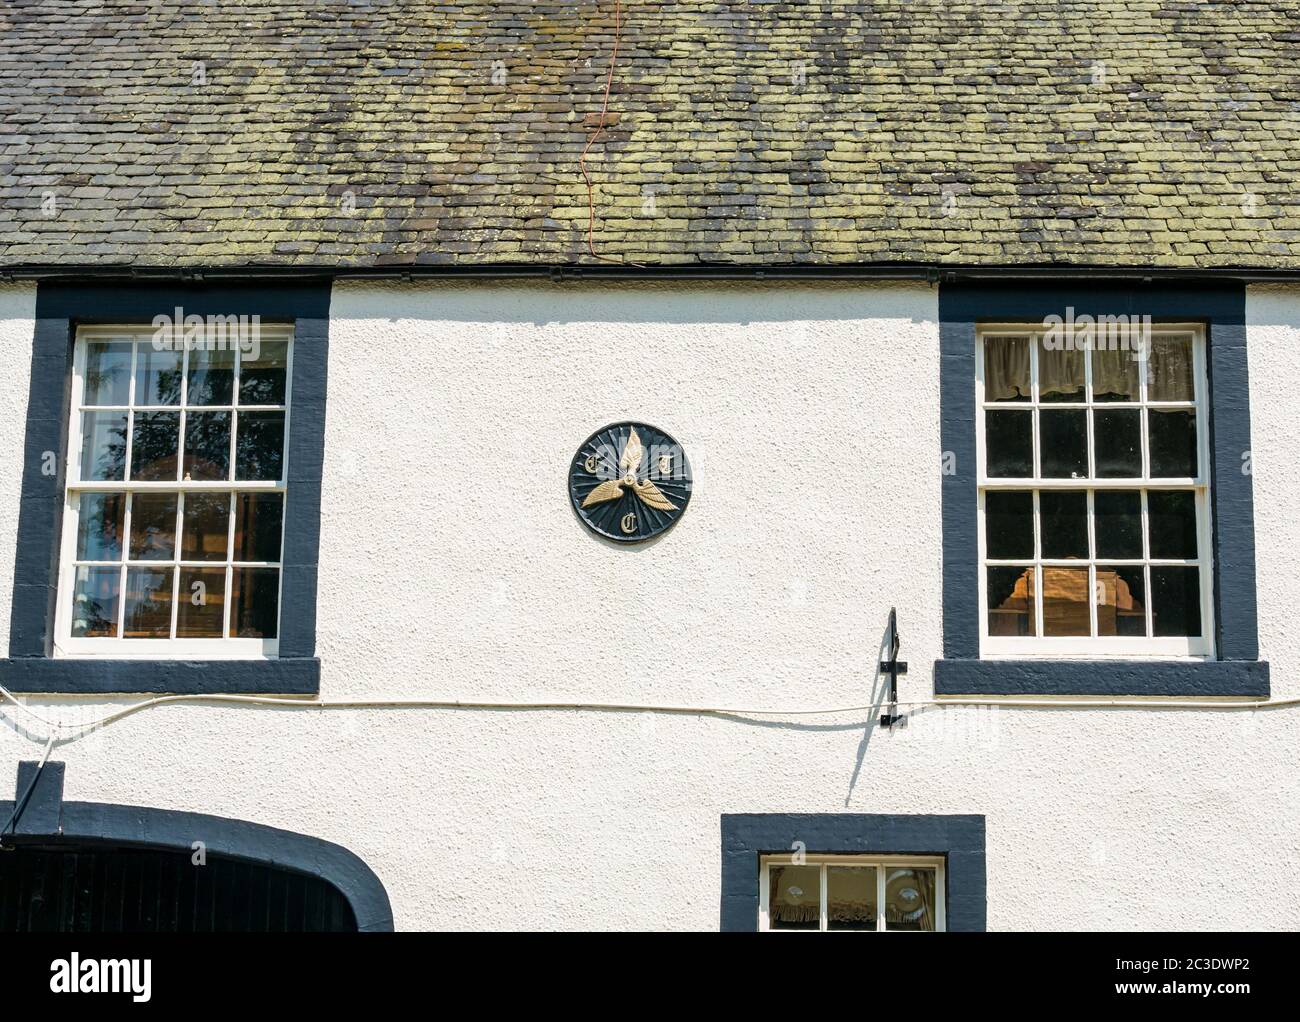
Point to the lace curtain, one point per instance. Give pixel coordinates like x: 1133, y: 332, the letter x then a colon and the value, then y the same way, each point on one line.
x: 1169, y: 370
x: 1061, y: 371
x: 1006, y: 368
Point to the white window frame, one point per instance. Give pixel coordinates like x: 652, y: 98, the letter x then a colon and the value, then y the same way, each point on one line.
x: 1099, y: 647
x: 882, y: 864
x: 65, y: 644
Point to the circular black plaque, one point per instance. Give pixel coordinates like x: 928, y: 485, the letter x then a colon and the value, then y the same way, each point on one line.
x: 630, y: 482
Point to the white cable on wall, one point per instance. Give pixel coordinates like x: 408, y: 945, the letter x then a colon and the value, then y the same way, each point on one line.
x: 66, y: 732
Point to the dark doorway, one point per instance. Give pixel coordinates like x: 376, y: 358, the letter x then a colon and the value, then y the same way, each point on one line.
x: 111, y: 888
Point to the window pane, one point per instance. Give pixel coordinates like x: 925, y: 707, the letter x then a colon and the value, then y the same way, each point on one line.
x: 850, y: 898
x: 1009, y: 444
x: 1114, y: 375
x: 94, y: 602
x: 1064, y: 436
x: 1169, y: 369
x: 262, y: 382
x: 1011, y: 601
x: 211, y: 376
x: 1066, y: 601
x: 207, y: 445
x: 794, y: 898
x: 154, y: 441
x: 260, y: 445
x: 1172, y: 516
x: 1009, y: 524
x: 103, y: 445
x: 1006, y: 369
x: 201, y: 612
x: 1173, y: 443
x: 258, y: 519
x: 99, y: 526
x: 205, y: 525
x: 153, y: 526
x: 1118, y: 516
x: 148, y: 613
x: 1176, y: 601
x: 1117, y: 440
x: 909, y: 899
x: 255, y: 606
x: 1121, y: 601
x: 1065, y: 523
x: 108, y: 373
x: 1060, y: 372
x: 157, y: 375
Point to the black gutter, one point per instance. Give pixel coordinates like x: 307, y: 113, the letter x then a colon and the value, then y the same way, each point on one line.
x: 929, y: 272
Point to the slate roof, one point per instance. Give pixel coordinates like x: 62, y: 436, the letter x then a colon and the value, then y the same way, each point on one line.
x: 370, y: 132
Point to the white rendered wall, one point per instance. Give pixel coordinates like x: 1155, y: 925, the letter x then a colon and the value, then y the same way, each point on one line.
x: 453, y: 567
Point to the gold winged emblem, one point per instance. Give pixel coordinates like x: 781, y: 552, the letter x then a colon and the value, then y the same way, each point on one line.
x: 649, y: 494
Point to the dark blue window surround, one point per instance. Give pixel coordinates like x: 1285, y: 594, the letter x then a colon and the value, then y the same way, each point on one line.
x: 60, y: 309
x: 1221, y: 307
x: 746, y: 837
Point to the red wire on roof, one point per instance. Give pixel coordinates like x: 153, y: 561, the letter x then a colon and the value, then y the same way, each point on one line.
x: 600, y: 130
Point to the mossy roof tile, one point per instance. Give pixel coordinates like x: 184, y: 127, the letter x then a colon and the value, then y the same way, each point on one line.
x: 367, y: 132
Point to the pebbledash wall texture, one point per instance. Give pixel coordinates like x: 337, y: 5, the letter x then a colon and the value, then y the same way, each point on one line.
x: 451, y: 565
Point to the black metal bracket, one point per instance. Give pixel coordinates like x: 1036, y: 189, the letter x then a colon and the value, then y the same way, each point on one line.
x: 893, y: 667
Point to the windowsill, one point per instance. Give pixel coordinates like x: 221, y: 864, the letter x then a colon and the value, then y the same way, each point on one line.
x: 1130, y: 677
x: 89, y: 676
x: 168, y: 650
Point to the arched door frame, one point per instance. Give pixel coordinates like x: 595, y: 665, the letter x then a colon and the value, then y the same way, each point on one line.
x: 47, y: 817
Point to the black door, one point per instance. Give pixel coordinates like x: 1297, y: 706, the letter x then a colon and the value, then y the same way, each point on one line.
x: 115, y: 889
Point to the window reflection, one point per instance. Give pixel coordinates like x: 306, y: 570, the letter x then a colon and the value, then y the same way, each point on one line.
x: 99, y: 526
x: 255, y: 602
x: 201, y: 611
x: 212, y: 376
x: 794, y: 899
x: 259, y: 453
x: 1011, y: 601
x: 264, y: 382
x: 909, y: 900
x: 153, y: 526
x: 148, y: 610
x: 154, y: 442
x: 1066, y: 601
x: 103, y: 445
x: 1121, y: 593
x: 207, y: 445
x: 157, y: 375
x: 108, y: 373
x: 94, y: 602
x: 258, y: 521
x: 205, y: 526
x: 851, y: 898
